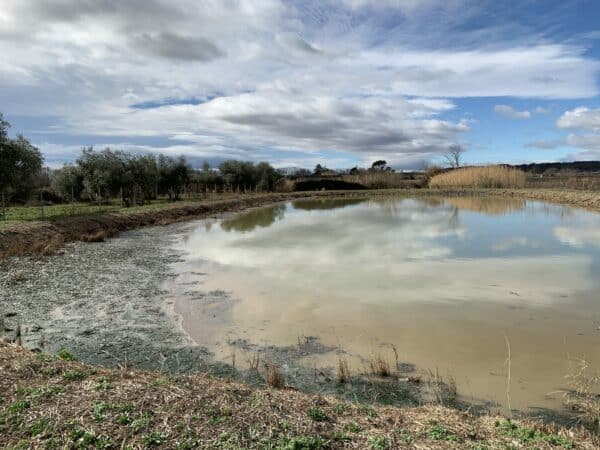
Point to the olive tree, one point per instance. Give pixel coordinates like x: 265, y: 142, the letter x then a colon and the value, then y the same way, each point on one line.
x: 20, y: 163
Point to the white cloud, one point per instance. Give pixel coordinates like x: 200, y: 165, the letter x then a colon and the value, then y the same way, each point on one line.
x: 581, y: 118
x: 587, y: 122
x: 290, y: 76
x: 511, y: 113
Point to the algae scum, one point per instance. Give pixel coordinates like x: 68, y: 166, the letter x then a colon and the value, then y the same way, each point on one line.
x: 435, y: 288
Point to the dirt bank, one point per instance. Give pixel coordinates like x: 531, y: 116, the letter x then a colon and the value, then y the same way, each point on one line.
x: 44, y: 238
x: 49, y: 402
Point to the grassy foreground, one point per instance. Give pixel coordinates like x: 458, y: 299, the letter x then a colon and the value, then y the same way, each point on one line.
x: 55, y: 402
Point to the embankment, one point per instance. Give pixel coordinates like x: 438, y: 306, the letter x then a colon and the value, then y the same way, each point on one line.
x: 54, y: 402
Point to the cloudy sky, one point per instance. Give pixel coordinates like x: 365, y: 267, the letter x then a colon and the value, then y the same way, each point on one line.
x: 300, y: 82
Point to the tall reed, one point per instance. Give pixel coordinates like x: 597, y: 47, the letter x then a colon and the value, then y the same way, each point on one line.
x: 480, y: 177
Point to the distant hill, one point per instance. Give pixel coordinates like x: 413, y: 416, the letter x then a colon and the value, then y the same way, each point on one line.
x: 575, y: 166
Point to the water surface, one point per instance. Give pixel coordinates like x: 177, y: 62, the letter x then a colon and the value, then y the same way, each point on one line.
x: 446, y: 281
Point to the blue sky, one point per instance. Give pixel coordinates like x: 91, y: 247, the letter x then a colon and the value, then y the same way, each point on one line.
x: 301, y: 82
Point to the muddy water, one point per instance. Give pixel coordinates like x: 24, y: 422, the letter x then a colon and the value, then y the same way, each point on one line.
x: 450, y: 283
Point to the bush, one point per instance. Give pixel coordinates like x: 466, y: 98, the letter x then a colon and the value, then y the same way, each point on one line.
x: 327, y: 184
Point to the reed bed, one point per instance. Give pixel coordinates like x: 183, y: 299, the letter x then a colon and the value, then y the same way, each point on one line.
x: 383, y: 180
x: 487, y: 177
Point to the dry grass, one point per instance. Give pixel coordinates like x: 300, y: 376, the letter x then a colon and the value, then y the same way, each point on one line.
x: 380, y: 366
x: 480, y: 177
x: 274, y: 377
x: 56, y: 403
x: 375, y: 179
x: 584, y: 397
x: 254, y: 362
x: 343, y: 370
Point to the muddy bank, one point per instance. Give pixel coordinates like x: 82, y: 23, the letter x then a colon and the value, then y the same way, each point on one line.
x: 44, y: 238
x: 102, y: 301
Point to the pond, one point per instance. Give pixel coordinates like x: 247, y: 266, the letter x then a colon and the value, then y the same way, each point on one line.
x: 444, y: 285
x: 438, y: 288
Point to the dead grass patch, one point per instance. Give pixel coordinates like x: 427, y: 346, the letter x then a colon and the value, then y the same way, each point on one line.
x: 274, y: 377
x: 120, y: 408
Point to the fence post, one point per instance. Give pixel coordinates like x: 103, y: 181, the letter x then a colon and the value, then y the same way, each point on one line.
x: 72, y: 202
x: 42, y: 204
x: 3, y: 207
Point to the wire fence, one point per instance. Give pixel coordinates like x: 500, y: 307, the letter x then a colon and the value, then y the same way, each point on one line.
x: 42, y: 209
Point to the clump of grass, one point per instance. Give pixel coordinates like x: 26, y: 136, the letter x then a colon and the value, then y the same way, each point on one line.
x: 584, y: 397
x: 353, y: 427
x: 66, y: 355
x: 317, y: 414
x: 528, y: 435
x: 380, y: 366
x: 274, y: 377
x: 480, y: 177
x: 74, y: 375
x: 343, y: 370
x: 379, y: 443
x: 439, y: 432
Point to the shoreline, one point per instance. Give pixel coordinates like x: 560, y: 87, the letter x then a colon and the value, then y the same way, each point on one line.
x: 54, y: 402
x: 46, y: 237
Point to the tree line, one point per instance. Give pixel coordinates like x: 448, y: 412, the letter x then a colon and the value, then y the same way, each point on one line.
x: 98, y: 176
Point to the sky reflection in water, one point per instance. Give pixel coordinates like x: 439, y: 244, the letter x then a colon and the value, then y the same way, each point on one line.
x: 445, y: 280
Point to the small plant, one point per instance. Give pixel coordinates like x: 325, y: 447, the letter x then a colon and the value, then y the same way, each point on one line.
x: 274, y: 377
x: 353, y: 427
x: 317, y: 414
x: 154, y: 439
x: 140, y: 423
x: 340, y: 436
x: 219, y: 416
x: 102, y: 384
x: 74, y: 375
x: 100, y: 410
x: 39, y: 426
x: 341, y: 408
x: 439, y: 432
x: 404, y: 436
x: 66, y: 355
x: 19, y: 406
x: 343, y: 370
x: 369, y: 411
x: 527, y: 435
x: 379, y: 443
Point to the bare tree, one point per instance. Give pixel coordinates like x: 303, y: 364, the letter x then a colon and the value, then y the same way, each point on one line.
x: 453, y: 156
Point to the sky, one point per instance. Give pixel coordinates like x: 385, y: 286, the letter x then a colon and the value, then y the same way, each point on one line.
x: 305, y: 82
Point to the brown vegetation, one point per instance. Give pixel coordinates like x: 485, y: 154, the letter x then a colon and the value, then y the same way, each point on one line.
x: 343, y: 370
x: 274, y: 377
x: 584, y: 395
x: 49, y: 402
x: 480, y: 177
x: 380, y: 366
x: 378, y: 179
